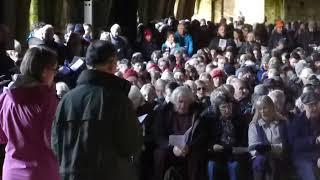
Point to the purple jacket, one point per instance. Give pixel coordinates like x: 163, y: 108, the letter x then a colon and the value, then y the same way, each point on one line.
x: 26, y: 115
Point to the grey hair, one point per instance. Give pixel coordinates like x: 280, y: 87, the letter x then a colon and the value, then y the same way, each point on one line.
x: 182, y: 91
x: 277, y: 95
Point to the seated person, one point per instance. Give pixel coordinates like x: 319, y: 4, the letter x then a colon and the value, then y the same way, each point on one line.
x: 304, y: 137
x: 268, y: 142
x: 228, y: 133
x: 180, y: 117
x: 170, y: 45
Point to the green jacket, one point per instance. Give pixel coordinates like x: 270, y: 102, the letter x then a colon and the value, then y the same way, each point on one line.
x: 95, y: 129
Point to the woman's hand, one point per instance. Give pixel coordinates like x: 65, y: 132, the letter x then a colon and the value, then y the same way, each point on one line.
x: 217, y: 148
x: 318, y: 163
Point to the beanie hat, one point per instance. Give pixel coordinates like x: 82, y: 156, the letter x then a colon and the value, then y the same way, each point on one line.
x: 130, y: 73
x: 217, y: 73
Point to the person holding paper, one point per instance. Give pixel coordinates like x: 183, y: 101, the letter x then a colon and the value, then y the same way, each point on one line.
x: 221, y: 41
x: 180, y: 136
x: 227, y: 134
x: 268, y: 142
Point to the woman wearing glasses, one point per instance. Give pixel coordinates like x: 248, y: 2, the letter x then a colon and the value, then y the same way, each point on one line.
x: 227, y: 135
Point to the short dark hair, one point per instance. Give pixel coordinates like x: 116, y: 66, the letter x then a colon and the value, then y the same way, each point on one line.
x: 100, y: 52
x: 36, y: 60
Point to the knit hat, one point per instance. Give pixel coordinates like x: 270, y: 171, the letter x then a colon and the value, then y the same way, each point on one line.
x: 130, y: 73
x: 217, y: 73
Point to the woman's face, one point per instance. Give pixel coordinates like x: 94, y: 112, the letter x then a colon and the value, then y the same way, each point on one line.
x: 48, y: 75
x: 201, y: 90
x: 225, y: 110
x: 266, y: 111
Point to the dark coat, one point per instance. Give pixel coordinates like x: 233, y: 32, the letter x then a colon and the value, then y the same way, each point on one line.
x: 276, y: 37
x: 163, y: 127
x: 216, y: 131
x: 302, y: 138
x: 214, y: 44
x: 6, y: 65
x: 95, y: 129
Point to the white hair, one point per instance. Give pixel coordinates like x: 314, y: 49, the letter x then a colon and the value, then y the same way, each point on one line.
x: 62, y: 88
x: 167, y: 76
x: 135, y: 96
x: 181, y: 91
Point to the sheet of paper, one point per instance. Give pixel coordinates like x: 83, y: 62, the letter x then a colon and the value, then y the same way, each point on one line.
x: 77, y: 65
x: 222, y: 43
x: 142, y: 118
x: 177, y: 140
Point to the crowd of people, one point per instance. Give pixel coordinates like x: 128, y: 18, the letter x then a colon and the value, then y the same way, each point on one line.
x: 189, y: 100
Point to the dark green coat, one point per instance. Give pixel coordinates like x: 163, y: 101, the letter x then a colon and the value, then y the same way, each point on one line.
x: 95, y: 128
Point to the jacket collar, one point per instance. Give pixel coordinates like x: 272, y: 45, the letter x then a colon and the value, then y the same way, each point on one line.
x: 263, y: 123
x: 104, y: 79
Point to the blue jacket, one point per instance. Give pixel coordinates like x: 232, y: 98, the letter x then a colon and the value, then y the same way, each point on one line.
x: 302, y: 138
x: 185, y: 42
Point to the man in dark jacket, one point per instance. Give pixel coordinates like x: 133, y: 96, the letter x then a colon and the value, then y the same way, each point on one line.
x: 221, y: 41
x: 96, y: 131
x: 279, y: 34
x: 304, y: 137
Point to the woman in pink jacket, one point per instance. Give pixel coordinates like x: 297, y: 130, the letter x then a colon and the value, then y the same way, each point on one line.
x: 27, y: 110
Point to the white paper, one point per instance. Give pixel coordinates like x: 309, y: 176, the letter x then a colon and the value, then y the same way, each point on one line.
x: 142, y: 118
x: 77, y: 64
x: 177, y: 140
x: 222, y: 43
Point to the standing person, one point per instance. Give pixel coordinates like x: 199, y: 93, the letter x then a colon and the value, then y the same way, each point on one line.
x: 27, y: 111
x: 95, y: 126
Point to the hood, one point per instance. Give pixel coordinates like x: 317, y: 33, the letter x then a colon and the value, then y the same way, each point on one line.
x: 104, y: 79
x: 25, y: 90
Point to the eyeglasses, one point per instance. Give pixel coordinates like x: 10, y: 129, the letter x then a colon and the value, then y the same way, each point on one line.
x: 201, y: 88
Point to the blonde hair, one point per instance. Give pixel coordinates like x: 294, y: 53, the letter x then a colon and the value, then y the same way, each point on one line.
x: 266, y: 100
